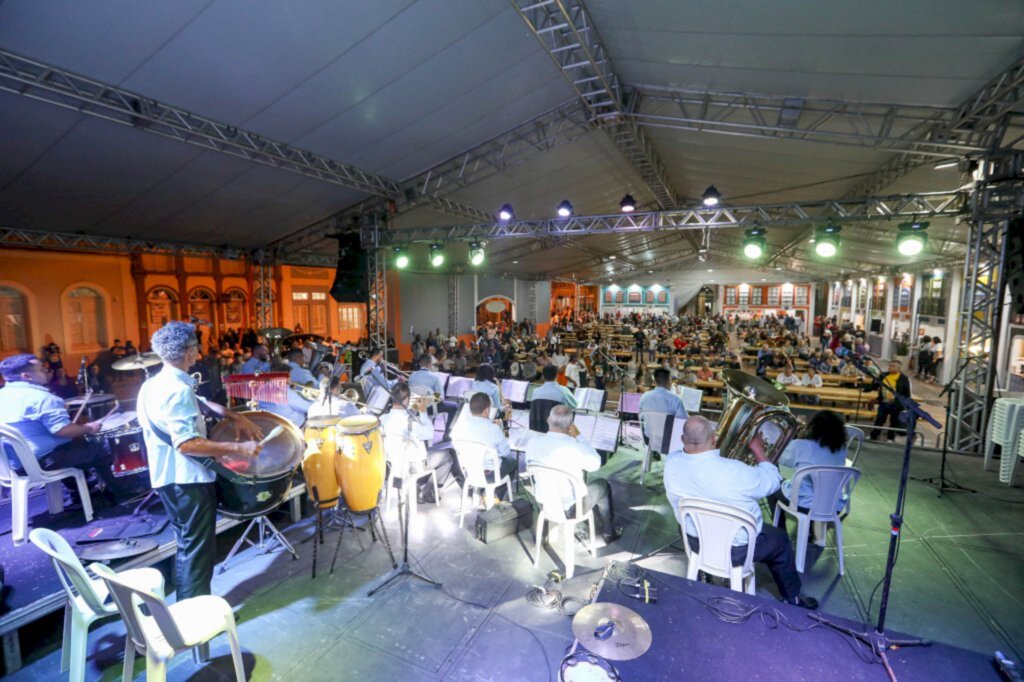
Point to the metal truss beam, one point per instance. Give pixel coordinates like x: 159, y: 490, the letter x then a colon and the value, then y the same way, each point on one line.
x: 511, y: 148
x: 792, y: 213
x: 567, y: 32
x: 51, y: 84
x: 67, y: 241
x: 377, y: 303
x: 878, y: 126
x: 993, y: 205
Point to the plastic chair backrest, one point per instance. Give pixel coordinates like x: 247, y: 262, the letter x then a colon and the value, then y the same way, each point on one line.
x: 830, y: 483
x: 401, y: 452
x: 854, y: 435
x: 69, y: 569
x: 717, y: 525
x: 658, y: 427
x: 539, y: 410
x: 472, y: 456
x: 11, y: 441
x: 128, y: 599
x: 551, y: 487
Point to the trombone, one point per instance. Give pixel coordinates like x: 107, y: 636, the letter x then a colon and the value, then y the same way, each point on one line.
x: 350, y: 395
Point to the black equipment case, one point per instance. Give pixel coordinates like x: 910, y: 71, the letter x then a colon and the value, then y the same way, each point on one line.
x: 503, y: 519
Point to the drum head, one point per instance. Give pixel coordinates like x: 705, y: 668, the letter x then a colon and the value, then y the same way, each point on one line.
x: 116, y: 422
x: 95, y: 398
x: 279, y: 456
x: 357, y: 423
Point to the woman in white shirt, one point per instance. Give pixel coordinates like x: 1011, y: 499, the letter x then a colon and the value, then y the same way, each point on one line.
x: 812, y: 379
x: 822, y: 442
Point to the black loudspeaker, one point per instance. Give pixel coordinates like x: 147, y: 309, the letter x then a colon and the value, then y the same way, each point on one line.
x: 350, y: 283
x: 1015, y: 265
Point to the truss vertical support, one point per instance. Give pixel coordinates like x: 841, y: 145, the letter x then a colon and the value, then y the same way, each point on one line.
x: 264, y: 294
x: 994, y: 203
x: 453, y: 304
x: 532, y: 302
x: 377, y: 304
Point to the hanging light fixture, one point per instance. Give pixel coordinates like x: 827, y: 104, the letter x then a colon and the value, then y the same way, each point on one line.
x: 401, y: 258
x: 505, y: 213
x: 564, y: 209
x: 826, y: 240
x: 476, y: 253
x: 754, y: 243
x: 912, y: 238
x: 628, y: 204
x: 711, y: 197
x: 436, y: 255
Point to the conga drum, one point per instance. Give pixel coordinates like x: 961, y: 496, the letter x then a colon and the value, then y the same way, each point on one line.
x: 318, y: 465
x: 359, y: 463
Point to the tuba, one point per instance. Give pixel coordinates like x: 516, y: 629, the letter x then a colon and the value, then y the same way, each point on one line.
x: 750, y: 403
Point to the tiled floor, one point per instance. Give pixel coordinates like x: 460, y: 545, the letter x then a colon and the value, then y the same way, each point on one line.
x: 958, y: 580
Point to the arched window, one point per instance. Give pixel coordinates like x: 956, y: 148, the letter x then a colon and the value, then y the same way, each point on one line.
x: 162, y: 307
x: 235, y: 309
x: 13, y: 322
x: 200, y: 304
x: 85, y: 318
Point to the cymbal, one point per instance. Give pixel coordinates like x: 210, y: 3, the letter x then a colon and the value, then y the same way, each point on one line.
x: 275, y: 333
x: 322, y: 421
x: 630, y: 634
x: 140, y: 361
x: 119, y: 549
x: 89, y: 399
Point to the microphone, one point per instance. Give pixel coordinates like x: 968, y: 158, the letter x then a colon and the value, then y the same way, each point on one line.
x: 83, y: 378
x: 198, y: 320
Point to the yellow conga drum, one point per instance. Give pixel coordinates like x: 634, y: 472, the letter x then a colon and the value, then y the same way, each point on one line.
x: 318, y: 466
x: 359, y: 463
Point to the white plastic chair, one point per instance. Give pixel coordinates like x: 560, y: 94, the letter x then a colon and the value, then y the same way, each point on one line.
x: 1008, y: 461
x: 1005, y: 422
x: 472, y: 456
x: 832, y: 485
x: 854, y: 435
x: 654, y: 425
x: 549, y: 488
x: 717, y: 525
x: 87, y: 598
x: 168, y: 630
x: 11, y: 441
x: 408, y: 471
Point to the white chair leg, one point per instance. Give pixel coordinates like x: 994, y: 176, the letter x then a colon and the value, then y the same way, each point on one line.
x: 462, y: 504
x: 55, y: 497
x: 570, y: 550
x: 820, y: 533
x: 236, y: 649
x: 83, y: 492
x: 736, y: 582
x: 128, y: 669
x: 540, y: 539
x: 990, y: 448
x: 593, y: 537
x: 692, y: 565
x: 802, y: 530
x: 752, y: 583
x: 79, y: 645
x: 838, y: 525
x: 19, y: 510
x: 646, y: 466
x: 437, y: 495
x: 65, y: 646
x: 156, y: 668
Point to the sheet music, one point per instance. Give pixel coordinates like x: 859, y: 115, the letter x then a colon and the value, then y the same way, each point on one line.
x: 457, y: 386
x: 443, y: 378
x: 520, y: 439
x: 630, y: 403
x: 464, y: 412
x: 691, y: 399
x: 591, y: 399
x: 600, y: 431
x: 520, y: 422
x: 513, y: 390
x: 378, y: 400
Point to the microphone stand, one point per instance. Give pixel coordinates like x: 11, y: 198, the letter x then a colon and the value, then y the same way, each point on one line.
x: 940, y: 482
x: 879, y: 641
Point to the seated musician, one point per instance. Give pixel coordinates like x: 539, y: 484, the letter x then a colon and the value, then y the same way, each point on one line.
x: 563, y: 448
x: 425, y: 379
x: 823, y: 442
x: 372, y: 374
x: 259, y: 361
x: 479, y: 428
x: 661, y: 398
x: 699, y: 471
x: 296, y: 408
x: 406, y: 435
x: 297, y: 372
x: 43, y: 420
x: 552, y: 390
x: 486, y: 382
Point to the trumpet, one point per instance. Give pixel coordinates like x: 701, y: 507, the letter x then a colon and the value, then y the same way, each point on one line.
x: 307, y: 392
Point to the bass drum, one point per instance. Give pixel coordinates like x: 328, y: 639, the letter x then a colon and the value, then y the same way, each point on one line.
x: 247, y: 488
x: 359, y: 463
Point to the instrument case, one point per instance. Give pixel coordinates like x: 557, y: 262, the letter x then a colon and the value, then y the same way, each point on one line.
x: 503, y: 519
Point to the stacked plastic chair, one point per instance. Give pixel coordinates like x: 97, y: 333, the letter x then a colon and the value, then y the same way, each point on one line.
x: 1004, y: 424
x: 1008, y: 464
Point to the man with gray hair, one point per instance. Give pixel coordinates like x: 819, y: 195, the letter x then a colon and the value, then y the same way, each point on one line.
x: 173, y: 427
x: 564, y: 449
x: 701, y: 472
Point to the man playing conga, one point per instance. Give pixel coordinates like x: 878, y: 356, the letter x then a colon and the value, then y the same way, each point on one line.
x: 176, y: 444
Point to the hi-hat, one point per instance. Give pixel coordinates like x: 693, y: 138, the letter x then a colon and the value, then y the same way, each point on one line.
x: 322, y: 421
x: 612, y: 631
x: 119, y: 549
x: 139, y: 361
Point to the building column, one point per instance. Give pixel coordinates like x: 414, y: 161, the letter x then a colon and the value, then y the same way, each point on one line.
x: 139, y: 279
x: 812, y: 295
x: 854, y: 294
x: 866, y: 283
x: 184, y: 309
x: 890, y: 290
x: 914, y: 299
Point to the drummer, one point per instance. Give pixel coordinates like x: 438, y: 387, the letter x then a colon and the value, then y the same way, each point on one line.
x: 43, y: 420
x: 175, y: 434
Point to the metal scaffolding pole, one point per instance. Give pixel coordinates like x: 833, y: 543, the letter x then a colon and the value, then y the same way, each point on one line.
x: 453, y: 304
x: 264, y: 294
x: 377, y: 303
x: 998, y: 198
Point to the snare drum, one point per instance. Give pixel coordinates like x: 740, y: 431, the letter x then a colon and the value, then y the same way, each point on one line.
x: 359, y: 463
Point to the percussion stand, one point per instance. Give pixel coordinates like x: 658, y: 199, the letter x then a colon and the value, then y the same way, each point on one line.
x: 404, y: 568
x: 266, y: 535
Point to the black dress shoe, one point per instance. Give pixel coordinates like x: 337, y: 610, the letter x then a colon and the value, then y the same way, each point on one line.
x: 805, y: 602
x: 613, y: 536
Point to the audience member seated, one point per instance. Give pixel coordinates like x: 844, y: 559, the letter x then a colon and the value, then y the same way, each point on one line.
x: 788, y: 378
x: 701, y: 472
x: 563, y: 448
x: 477, y: 427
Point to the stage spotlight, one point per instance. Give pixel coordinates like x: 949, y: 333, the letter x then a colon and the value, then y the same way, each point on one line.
x: 754, y: 243
x: 565, y: 209
x: 826, y: 241
x: 476, y: 253
x: 401, y: 258
x: 628, y: 204
x: 711, y: 197
x: 912, y: 238
x: 505, y: 213
x: 436, y: 255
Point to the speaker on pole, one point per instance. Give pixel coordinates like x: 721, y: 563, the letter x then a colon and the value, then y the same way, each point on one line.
x: 1015, y: 265
x: 350, y: 285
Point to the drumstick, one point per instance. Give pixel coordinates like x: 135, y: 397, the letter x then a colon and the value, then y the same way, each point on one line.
x: 117, y: 406
x: 274, y: 433
x: 81, y: 406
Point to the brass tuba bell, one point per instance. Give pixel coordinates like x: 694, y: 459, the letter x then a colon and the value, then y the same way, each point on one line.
x: 750, y: 403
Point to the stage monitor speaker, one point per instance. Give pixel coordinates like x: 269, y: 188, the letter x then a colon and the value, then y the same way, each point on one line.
x: 1015, y: 265
x: 350, y: 283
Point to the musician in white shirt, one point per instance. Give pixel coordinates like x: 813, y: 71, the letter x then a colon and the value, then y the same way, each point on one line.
x: 478, y: 428
x: 572, y: 373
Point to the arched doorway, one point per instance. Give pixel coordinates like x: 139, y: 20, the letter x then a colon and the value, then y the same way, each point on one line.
x: 234, y: 311
x: 14, y: 336
x: 161, y: 307
x: 496, y: 310
x: 201, y: 305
